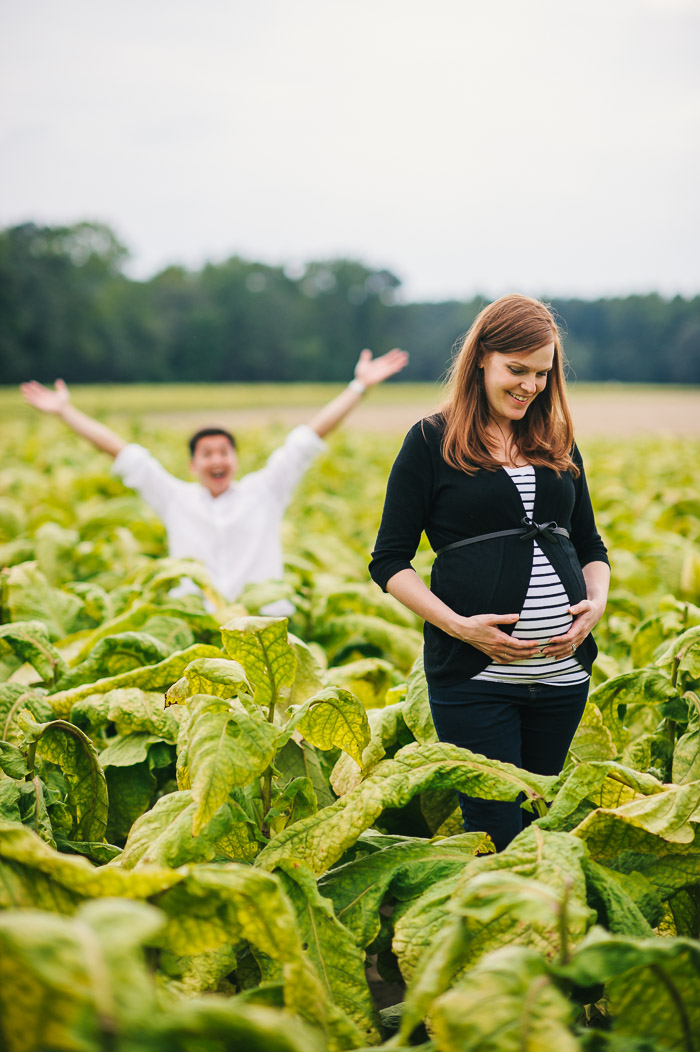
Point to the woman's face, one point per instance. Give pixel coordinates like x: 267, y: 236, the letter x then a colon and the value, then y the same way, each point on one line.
x: 513, y: 381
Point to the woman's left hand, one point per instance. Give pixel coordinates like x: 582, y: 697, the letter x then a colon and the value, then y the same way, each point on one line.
x: 586, y: 616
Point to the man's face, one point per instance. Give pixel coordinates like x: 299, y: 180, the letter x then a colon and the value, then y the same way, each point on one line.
x: 214, y: 463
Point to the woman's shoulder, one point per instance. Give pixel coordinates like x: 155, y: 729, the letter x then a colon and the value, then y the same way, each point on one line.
x: 429, y: 429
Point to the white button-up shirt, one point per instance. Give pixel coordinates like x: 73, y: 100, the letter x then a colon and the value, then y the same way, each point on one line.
x: 235, y: 535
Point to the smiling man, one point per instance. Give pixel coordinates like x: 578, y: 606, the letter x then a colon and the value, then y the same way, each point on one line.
x: 231, y: 525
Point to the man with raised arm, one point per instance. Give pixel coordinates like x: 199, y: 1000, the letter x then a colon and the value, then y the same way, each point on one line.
x: 231, y: 525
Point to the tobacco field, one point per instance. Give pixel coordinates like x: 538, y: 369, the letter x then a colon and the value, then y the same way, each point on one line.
x: 222, y: 830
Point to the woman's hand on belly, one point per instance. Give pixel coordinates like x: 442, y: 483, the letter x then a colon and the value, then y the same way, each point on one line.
x: 586, y: 616
x: 482, y: 632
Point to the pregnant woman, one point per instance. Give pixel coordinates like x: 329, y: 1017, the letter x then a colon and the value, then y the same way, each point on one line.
x: 521, y: 574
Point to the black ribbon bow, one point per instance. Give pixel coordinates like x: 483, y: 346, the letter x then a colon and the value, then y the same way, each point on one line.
x: 536, y: 529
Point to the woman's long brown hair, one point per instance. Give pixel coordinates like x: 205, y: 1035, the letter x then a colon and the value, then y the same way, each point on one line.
x: 511, y: 325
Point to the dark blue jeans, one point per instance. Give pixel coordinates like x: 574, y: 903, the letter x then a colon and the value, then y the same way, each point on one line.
x: 528, y: 724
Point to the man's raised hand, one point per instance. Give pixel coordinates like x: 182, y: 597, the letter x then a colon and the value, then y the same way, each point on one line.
x: 371, y: 371
x: 45, y: 399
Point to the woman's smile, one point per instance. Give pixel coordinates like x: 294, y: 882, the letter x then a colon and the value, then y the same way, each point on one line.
x: 528, y: 370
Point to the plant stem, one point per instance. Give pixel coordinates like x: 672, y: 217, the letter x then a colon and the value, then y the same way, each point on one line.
x: 540, y: 806
x: 31, y: 760
x: 266, y: 793
x: 4, y: 596
x: 564, y: 921
x: 676, y: 669
x: 266, y: 780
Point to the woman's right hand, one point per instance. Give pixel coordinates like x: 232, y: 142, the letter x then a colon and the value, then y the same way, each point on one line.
x: 44, y: 398
x: 482, y: 632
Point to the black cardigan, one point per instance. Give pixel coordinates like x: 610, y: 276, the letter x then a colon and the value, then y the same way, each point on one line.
x: 425, y: 493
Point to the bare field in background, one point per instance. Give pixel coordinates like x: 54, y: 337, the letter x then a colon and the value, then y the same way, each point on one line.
x: 598, y: 409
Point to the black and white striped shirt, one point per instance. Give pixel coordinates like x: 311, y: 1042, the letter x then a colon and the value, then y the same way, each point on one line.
x: 545, y: 612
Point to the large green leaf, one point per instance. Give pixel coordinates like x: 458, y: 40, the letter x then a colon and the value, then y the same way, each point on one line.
x: 13, y: 699
x: 217, y: 905
x: 416, y: 710
x: 219, y: 677
x: 32, y: 598
x: 67, y: 982
x: 301, y: 760
x: 29, y: 640
x: 333, y: 717
x: 65, y: 745
x: 127, y: 750
x: 388, y: 731
x: 262, y: 647
x: 672, y: 815
x: 597, y: 784
x: 149, y: 678
x: 323, y: 838
x: 27, y: 802
x: 364, y: 598
x: 160, y: 578
x: 132, y: 710
x: 369, y: 679
x: 404, y: 870
x: 682, y: 914
x: 533, y: 894
x: 654, y: 633
x: 309, y: 676
x: 684, y: 652
x: 91, y: 714
x: 686, y: 758
x: 114, y: 655
x: 130, y: 790
x: 592, y: 740
x: 34, y: 875
x: 355, y: 635
x: 140, y: 614
x: 226, y: 747
x: 616, y: 697
x: 173, y: 632
x: 652, y: 985
x: 625, y: 903
x: 649, y: 836
x: 229, y: 1024
x: 333, y: 950
x: 163, y: 836
x: 507, y: 1003
x: 12, y: 761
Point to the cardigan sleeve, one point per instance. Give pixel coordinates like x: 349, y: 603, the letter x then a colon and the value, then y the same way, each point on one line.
x: 406, y: 506
x: 584, y: 534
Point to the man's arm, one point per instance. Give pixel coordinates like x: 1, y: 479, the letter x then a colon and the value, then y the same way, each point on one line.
x: 58, y: 402
x: 368, y: 372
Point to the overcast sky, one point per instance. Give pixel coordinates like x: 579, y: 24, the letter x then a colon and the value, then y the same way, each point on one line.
x: 544, y: 146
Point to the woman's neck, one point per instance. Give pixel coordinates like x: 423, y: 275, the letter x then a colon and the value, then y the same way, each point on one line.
x: 504, y: 447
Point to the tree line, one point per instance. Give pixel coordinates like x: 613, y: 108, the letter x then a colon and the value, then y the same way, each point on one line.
x: 68, y: 309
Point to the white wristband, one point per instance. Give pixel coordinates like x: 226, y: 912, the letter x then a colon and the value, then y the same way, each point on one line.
x: 357, y: 386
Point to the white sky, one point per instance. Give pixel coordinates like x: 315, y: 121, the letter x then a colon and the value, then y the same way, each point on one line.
x: 547, y: 146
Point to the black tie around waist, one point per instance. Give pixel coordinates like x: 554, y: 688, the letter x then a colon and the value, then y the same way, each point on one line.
x: 526, y: 532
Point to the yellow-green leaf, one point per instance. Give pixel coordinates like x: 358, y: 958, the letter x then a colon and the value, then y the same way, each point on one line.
x: 63, y: 744
x: 149, y: 678
x: 321, y: 839
x: 226, y: 747
x: 333, y: 717
x: 261, y: 646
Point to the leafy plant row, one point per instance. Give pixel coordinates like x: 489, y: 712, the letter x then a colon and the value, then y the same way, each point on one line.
x: 216, y: 830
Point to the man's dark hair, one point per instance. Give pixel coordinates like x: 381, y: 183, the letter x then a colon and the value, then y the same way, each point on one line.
x: 207, y: 432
